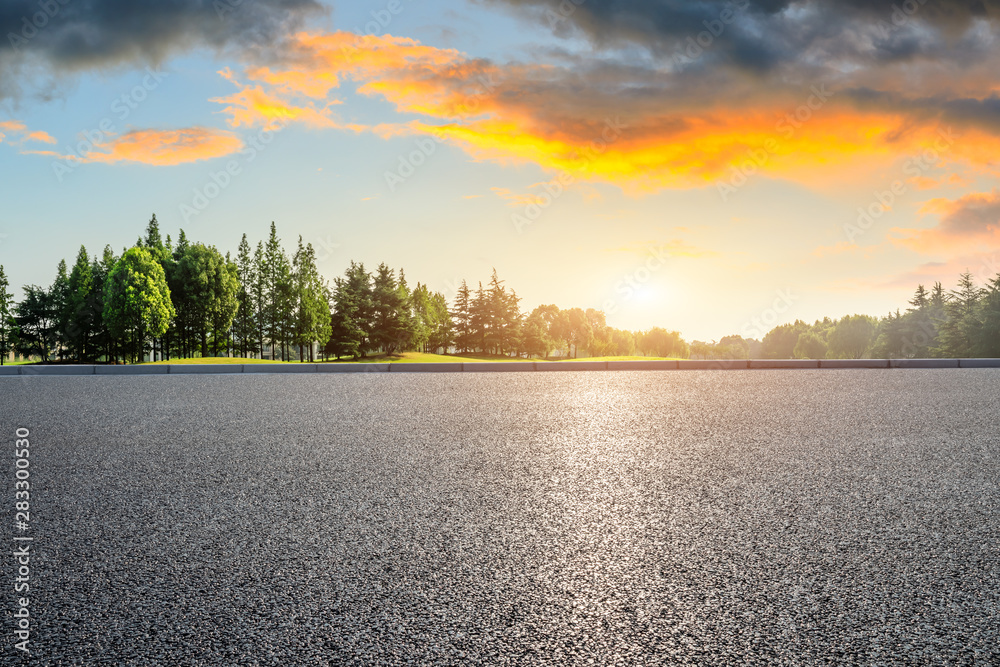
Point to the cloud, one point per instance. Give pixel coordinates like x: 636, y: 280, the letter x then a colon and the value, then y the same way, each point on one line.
x: 965, y: 223
x: 65, y: 36
x: 768, y: 35
x: 604, y: 121
x: 22, y: 132
x: 984, y: 267
x: 159, y: 147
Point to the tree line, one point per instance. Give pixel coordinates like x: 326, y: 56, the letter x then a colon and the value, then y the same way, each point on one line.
x: 180, y: 299
x: 960, y: 323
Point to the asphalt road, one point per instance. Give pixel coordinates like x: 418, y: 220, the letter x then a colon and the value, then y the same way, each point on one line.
x: 619, y: 518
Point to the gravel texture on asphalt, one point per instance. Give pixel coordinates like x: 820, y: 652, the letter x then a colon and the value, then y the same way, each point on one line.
x: 709, y: 518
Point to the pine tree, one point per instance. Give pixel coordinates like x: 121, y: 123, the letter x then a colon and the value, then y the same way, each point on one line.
x: 258, y: 297
x: 461, y: 316
x: 346, y: 334
x: 243, y: 326
x: 80, y: 324
x: 988, y: 339
x: 277, y: 297
x: 958, y: 330
x: 60, y: 303
x: 312, y: 307
x: 8, y: 326
x: 100, y: 269
x: 390, y: 319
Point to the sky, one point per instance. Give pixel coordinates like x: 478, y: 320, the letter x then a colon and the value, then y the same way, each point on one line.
x: 714, y: 168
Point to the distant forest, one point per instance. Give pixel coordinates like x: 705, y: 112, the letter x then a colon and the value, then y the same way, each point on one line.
x: 162, y: 299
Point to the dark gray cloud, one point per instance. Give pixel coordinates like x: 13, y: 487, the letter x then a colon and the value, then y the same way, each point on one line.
x: 59, y: 36
x: 761, y: 35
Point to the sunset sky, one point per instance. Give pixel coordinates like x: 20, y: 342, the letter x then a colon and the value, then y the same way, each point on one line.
x: 711, y: 167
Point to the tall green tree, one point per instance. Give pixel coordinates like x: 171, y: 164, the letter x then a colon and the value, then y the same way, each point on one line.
x: 137, y: 303
x: 461, y: 316
x: 346, y: 335
x: 59, y: 299
x: 278, y: 300
x: 81, y: 325
x: 391, y: 326
x: 36, y: 321
x: 312, y: 323
x: 244, y: 326
x: 810, y: 345
x: 8, y: 325
x: 852, y: 337
x: 958, y: 330
x: 988, y: 340
x: 103, y: 342
x: 209, y: 288
x: 780, y: 342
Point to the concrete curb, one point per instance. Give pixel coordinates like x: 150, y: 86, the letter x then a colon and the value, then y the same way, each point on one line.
x: 285, y: 368
x: 854, y: 363
x: 712, y: 364
x: 58, y: 370
x: 571, y: 366
x: 444, y: 367
x: 498, y: 366
x: 639, y: 365
x: 151, y: 369
x: 783, y: 363
x: 205, y: 369
x: 979, y: 363
x: 352, y: 368
x: 923, y: 363
x: 492, y: 367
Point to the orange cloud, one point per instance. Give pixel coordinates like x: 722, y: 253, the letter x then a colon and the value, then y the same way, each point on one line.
x: 970, y: 222
x: 594, y: 127
x: 20, y: 129
x: 159, y: 147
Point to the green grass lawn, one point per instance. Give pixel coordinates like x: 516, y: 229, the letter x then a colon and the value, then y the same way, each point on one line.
x: 216, y: 360
x: 404, y: 358
x: 633, y: 358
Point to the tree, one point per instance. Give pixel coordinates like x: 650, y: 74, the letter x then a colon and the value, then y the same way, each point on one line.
x: 312, y: 321
x: 244, y: 325
x: 810, y: 346
x: 461, y: 315
x: 8, y: 326
x: 137, y: 301
x: 278, y: 294
x: 100, y: 269
x: 258, y: 297
x: 890, y: 338
x: 390, y: 327
x: 958, y: 330
x: 79, y: 316
x: 659, y: 342
x: 852, y: 337
x: 59, y: 301
x: 988, y: 339
x: 209, y: 288
x: 36, y: 322
x: 537, y: 342
x: 578, y: 330
x: 346, y: 335
x: 780, y: 342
